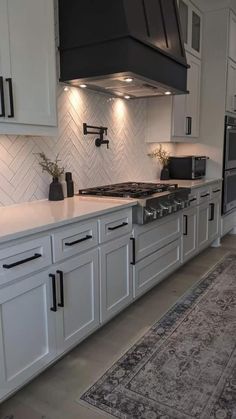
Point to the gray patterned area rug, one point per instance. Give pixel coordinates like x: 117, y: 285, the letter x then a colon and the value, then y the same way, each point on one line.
x: 185, y: 366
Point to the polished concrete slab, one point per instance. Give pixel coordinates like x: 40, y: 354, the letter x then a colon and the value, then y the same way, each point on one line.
x: 52, y: 395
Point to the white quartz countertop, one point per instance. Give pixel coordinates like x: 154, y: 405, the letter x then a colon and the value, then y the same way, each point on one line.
x: 192, y: 184
x: 24, y: 219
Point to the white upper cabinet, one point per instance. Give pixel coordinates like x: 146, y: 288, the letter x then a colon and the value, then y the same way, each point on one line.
x: 232, y: 37
x: 231, y: 67
x: 191, y: 23
x: 177, y: 118
x: 231, y: 87
x: 27, y: 66
x: 186, y: 108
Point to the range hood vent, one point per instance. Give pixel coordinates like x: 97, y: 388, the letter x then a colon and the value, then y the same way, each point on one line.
x: 123, y: 47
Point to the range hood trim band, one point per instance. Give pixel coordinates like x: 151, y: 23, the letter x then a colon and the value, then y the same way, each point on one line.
x: 153, y: 47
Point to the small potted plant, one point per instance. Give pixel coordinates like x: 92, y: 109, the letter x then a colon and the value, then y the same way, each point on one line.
x: 163, y: 157
x: 53, y: 168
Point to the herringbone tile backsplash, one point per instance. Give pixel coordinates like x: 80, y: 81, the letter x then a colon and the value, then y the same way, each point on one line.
x: 21, y: 178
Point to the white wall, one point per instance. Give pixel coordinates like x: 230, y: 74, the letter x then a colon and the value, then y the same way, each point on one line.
x: 21, y: 178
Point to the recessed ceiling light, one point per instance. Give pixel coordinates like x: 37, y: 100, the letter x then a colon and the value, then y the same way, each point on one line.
x: 66, y: 89
x: 83, y: 86
x: 129, y: 79
x: 167, y: 93
x: 127, y: 97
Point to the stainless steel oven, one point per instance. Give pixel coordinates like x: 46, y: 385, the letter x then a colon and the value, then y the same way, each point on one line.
x: 229, y: 188
x: 230, y: 143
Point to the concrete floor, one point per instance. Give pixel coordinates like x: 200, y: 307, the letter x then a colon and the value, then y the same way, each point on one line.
x: 52, y: 395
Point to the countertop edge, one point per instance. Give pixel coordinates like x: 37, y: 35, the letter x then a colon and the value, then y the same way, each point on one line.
x: 53, y: 225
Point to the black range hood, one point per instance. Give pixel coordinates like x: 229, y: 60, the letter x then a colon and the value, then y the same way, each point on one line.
x: 129, y: 48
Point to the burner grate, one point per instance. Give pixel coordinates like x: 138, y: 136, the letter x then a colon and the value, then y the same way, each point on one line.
x: 129, y: 189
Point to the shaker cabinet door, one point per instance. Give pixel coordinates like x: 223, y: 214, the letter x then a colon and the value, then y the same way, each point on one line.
x: 214, y: 219
x: 203, y: 226
x: 116, y: 277
x: 186, y: 108
x: 27, y: 62
x: 231, y: 87
x: 78, y: 299
x: 27, y: 331
x: 232, y: 37
x: 189, y: 233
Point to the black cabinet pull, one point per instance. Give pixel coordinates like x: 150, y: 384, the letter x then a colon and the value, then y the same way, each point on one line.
x: 186, y: 225
x: 204, y: 196
x: 21, y: 262
x: 133, y: 251
x: 3, y: 113
x: 54, y: 293
x: 193, y: 199
x: 12, y: 112
x: 61, y: 276
x: 212, y: 216
x: 116, y: 227
x: 217, y: 190
x: 189, y: 125
x: 79, y: 241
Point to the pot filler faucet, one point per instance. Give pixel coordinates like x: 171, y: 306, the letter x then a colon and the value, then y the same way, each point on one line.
x: 101, y: 131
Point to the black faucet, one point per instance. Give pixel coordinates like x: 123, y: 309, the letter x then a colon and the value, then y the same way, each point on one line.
x: 97, y: 130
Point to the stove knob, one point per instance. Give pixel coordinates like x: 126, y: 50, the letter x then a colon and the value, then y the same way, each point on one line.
x: 175, y: 207
x: 178, y: 204
x: 159, y: 213
x: 154, y: 211
x: 164, y: 208
x: 148, y: 213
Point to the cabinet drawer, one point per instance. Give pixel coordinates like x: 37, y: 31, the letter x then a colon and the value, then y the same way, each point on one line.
x: 150, y: 271
x: 204, y: 195
x: 115, y: 225
x: 22, y: 259
x: 154, y: 236
x: 216, y: 189
x: 76, y: 239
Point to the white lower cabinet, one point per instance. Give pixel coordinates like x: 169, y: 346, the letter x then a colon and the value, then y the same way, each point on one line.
x: 203, y: 225
x: 115, y: 276
x: 190, y: 226
x: 214, y: 219
x: 27, y: 331
x: 152, y: 269
x: 77, y: 299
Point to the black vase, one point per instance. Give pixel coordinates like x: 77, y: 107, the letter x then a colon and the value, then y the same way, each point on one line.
x: 55, y: 190
x: 165, y: 173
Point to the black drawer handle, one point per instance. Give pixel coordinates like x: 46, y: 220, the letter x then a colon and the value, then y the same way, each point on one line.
x: 212, y: 215
x: 3, y: 114
x: 192, y: 200
x: 61, y: 276
x: 133, y: 251
x: 116, y: 227
x: 54, y: 293
x: 204, y: 196
x: 186, y: 225
x: 21, y: 262
x: 12, y: 112
x: 79, y: 241
x: 189, y: 125
x: 217, y: 190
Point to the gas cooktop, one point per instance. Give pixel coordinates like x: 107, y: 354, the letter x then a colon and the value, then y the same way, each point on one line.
x: 129, y: 189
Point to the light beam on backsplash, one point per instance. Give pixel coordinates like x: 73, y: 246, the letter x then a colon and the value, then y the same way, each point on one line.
x: 21, y: 178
